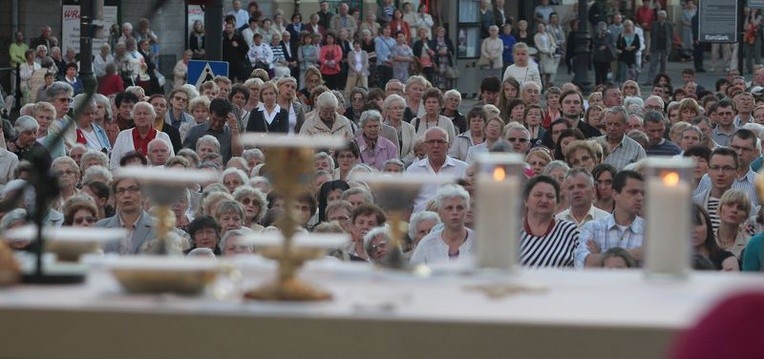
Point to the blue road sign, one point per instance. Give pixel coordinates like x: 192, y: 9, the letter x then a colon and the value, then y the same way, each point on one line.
x: 200, y: 72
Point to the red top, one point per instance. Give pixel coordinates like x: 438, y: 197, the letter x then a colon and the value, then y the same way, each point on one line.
x: 400, y: 25
x: 110, y: 84
x: 330, y: 52
x: 81, y: 137
x: 645, y: 15
x: 142, y: 144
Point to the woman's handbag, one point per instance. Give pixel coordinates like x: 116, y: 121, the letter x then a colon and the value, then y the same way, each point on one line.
x: 451, y: 73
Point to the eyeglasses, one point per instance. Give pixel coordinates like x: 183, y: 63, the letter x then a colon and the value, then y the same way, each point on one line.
x: 717, y: 168
x: 131, y: 189
x: 515, y: 139
x: 346, y: 156
x: 380, y: 245
x: 180, y: 98
x: 88, y: 220
x: 248, y: 201
x: 436, y: 142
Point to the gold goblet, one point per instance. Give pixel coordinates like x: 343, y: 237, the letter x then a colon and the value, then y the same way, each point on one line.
x: 289, y: 164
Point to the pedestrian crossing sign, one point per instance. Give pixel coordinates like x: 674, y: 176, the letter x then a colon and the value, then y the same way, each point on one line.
x: 200, y: 71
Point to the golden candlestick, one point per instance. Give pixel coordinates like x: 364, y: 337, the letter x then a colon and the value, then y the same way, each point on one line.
x: 289, y: 164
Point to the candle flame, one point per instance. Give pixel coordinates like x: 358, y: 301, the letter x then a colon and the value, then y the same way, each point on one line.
x: 499, y: 174
x: 671, y: 179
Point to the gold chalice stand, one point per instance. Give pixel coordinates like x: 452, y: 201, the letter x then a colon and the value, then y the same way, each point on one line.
x: 289, y: 165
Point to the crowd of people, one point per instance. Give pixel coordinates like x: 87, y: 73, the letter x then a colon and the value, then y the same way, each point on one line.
x: 584, y: 195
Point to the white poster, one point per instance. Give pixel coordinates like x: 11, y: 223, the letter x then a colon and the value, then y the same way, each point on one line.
x: 70, y: 28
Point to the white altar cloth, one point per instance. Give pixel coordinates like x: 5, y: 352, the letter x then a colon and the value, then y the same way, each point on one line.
x: 595, y: 314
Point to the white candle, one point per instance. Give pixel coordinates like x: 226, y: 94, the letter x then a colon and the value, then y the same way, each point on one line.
x: 497, y: 220
x: 668, y: 225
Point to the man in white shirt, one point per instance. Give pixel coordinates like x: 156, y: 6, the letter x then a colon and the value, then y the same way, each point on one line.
x: 578, y: 189
x: 240, y: 14
x: 437, y: 162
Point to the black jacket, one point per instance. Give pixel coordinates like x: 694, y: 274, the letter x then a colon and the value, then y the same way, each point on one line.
x: 257, y: 122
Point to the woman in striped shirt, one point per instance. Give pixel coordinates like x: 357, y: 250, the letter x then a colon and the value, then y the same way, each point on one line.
x: 545, y: 241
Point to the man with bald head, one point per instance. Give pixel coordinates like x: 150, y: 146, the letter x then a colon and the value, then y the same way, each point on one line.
x: 437, y: 162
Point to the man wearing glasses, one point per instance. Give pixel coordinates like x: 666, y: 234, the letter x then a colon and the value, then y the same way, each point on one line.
x: 747, y: 147
x: 437, y: 162
x: 130, y: 216
x: 722, y: 169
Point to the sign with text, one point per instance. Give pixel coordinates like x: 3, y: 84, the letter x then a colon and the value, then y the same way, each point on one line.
x: 200, y: 72
x: 70, y: 26
x: 717, y: 21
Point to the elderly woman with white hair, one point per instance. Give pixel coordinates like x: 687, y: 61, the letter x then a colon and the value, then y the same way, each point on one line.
x: 394, y: 109
x: 206, y: 146
x: 138, y: 137
x: 420, y: 225
x: 26, y: 146
x: 452, y: 100
x: 328, y: 121
x: 377, y: 244
x: 59, y: 94
x: 96, y: 173
x: 253, y: 156
x: 455, y: 241
x: 87, y: 131
x: 93, y: 158
x: 255, y: 205
x: 375, y: 149
x: 232, y: 178
x: 633, y: 105
x: 232, y: 243
x: 68, y: 175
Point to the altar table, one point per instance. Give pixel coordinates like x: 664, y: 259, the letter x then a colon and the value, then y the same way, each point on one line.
x: 569, y: 314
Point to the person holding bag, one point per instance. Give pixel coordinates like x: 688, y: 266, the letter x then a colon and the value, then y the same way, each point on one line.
x: 491, y: 51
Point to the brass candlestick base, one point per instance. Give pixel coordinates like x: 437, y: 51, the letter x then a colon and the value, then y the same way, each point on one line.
x: 287, y: 287
x: 289, y: 290
x: 290, y: 169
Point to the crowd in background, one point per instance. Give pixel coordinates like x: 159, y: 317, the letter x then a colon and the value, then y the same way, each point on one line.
x: 384, y: 84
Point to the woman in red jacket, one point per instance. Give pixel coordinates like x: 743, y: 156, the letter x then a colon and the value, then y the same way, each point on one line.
x: 399, y: 25
x: 111, y: 82
x: 330, y: 60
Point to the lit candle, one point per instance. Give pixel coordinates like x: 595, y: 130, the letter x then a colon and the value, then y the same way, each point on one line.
x: 668, y: 224
x: 497, y: 219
